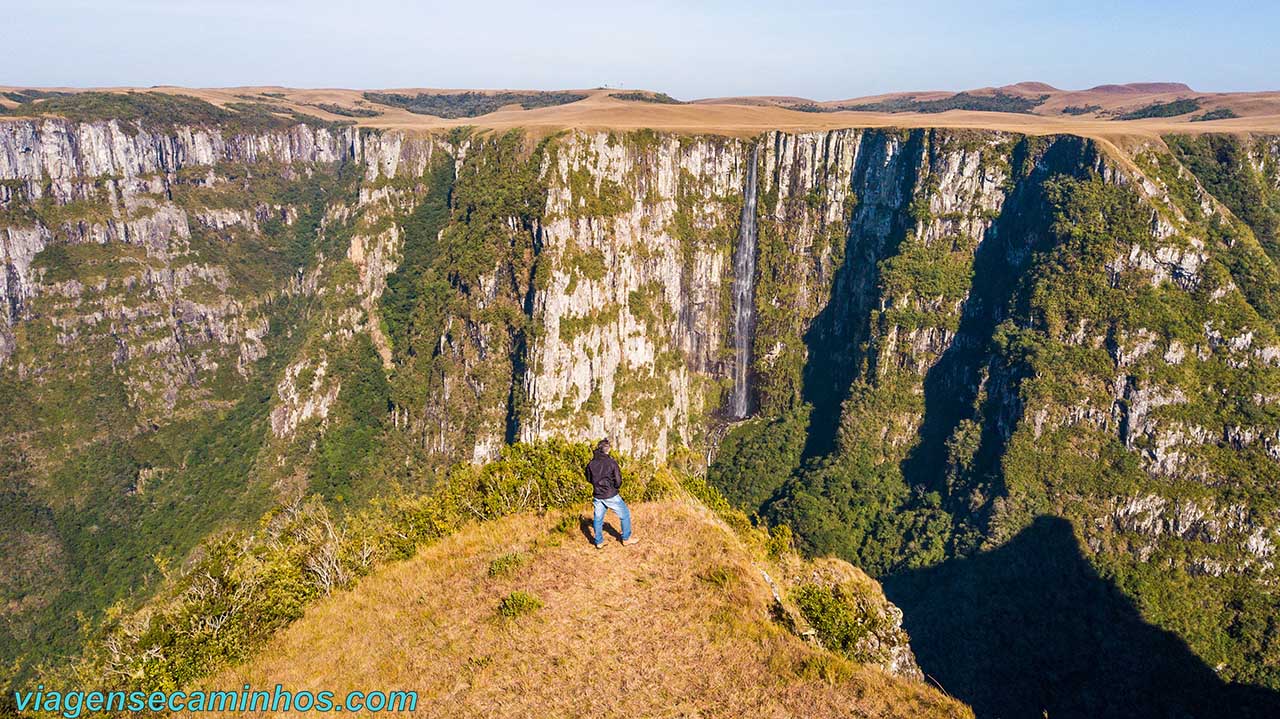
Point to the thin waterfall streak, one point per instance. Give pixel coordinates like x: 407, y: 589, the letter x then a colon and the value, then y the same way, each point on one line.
x: 744, y: 272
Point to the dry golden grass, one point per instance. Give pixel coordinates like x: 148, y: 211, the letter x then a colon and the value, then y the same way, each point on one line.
x: 746, y: 116
x: 676, y: 626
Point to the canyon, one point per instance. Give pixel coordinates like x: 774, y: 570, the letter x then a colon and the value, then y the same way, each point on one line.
x: 915, y: 347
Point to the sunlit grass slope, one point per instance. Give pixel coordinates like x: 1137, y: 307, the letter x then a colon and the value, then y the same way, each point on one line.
x: 679, y: 625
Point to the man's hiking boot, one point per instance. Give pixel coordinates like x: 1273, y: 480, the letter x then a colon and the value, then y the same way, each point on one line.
x: 629, y: 542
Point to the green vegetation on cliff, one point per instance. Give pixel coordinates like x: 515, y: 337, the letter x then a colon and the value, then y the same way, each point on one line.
x: 116, y: 470
x: 415, y: 293
x: 1069, y: 375
x: 757, y: 458
x: 983, y: 362
x: 355, y: 424
x: 464, y: 229
x: 1241, y: 174
x: 305, y: 550
x: 120, y: 509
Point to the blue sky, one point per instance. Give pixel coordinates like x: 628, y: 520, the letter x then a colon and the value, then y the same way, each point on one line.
x: 689, y: 49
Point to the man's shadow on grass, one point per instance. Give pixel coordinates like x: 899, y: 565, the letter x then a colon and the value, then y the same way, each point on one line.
x: 588, y: 531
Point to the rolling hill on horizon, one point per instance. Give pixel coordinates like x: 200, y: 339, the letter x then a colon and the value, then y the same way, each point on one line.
x: 1141, y: 108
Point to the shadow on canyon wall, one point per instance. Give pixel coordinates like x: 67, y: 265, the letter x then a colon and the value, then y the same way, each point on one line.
x: 1030, y: 630
x: 953, y: 385
x: 883, y: 179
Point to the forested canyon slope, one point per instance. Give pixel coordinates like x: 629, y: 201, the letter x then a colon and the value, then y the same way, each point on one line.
x: 1028, y: 380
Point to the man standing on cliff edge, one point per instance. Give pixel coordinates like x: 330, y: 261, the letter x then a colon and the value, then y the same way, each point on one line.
x: 606, y: 480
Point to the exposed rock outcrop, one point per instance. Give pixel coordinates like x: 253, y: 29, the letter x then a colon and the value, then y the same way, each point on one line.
x: 918, y: 290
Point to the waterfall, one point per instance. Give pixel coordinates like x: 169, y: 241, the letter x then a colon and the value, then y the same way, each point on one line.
x: 744, y: 273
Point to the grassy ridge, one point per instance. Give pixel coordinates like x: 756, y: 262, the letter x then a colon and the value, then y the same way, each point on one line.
x: 686, y: 611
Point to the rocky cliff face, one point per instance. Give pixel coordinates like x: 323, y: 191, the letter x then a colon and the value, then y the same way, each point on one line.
x: 972, y: 328
x: 103, y: 197
x: 1011, y: 333
x: 905, y: 283
x: 646, y: 284
x: 632, y: 323
x: 155, y: 279
x: 637, y: 233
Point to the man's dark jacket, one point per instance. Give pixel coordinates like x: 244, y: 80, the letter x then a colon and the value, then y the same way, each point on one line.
x: 604, y: 475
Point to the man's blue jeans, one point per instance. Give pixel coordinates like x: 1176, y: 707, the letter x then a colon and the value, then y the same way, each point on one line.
x: 619, y: 508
